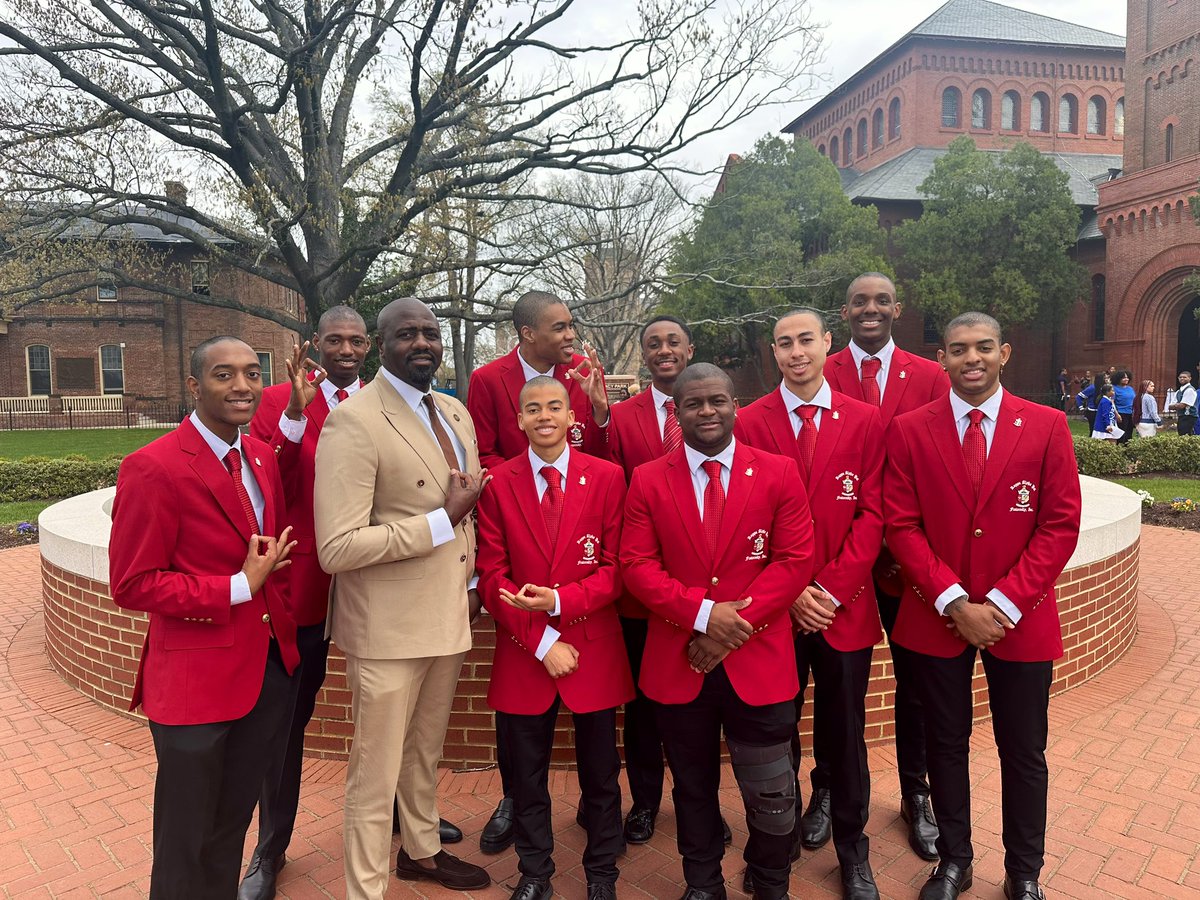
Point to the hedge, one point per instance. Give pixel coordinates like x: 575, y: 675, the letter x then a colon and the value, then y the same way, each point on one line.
x: 42, y: 478
x: 1168, y: 453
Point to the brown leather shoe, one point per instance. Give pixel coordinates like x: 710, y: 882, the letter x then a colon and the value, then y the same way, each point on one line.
x: 449, y: 871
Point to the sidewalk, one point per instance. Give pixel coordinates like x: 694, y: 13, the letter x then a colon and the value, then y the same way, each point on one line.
x: 76, y: 783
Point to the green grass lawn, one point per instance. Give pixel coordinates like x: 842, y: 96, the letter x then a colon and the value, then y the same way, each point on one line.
x: 94, y: 443
x: 1079, y: 426
x: 1163, y: 488
x: 24, y: 511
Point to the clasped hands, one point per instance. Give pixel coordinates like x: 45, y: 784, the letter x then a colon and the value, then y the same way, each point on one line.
x: 726, y: 631
x: 981, y: 625
x: 813, y: 610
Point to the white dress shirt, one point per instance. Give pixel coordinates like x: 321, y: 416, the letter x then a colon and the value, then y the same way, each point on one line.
x: 293, y: 429
x: 885, y: 363
x: 823, y: 400
x: 660, y: 409
x: 696, y: 461
x: 551, y: 634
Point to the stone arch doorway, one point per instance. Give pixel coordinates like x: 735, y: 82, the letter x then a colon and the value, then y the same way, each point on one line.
x: 1188, y: 354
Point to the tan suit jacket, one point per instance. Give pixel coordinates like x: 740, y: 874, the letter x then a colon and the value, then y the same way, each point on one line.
x: 378, y: 472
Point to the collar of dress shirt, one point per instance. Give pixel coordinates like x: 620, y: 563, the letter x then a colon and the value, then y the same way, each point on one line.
x: 823, y: 398
x: 215, y: 443
x: 696, y: 459
x: 328, y: 388
x: 659, y: 397
x: 564, y: 458
x: 990, y: 407
x: 884, y: 356
x: 410, y: 394
x: 530, y: 371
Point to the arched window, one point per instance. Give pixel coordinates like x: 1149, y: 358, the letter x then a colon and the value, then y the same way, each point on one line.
x: 821, y: 150
x: 862, y: 137
x: 112, y: 369
x: 833, y: 149
x: 1039, y: 109
x: 847, y: 146
x: 1097, y: 111
x: 37, y: 366
x: 981, y: 109
x: 1119, y: 116
x: 1098, y: 308
x: 1010, y: 111
x: 1169, y: 144
x: 1068, y: 114
x: 877, y: 128
x: 951, y: 104
x: 894, y: 119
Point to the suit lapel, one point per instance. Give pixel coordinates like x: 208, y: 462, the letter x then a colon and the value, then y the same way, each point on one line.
x: 524, y: 492
x: 897, y: 383
x: 413, y: 431
x: 513, y: 379
x: 683, y: 493
x: 457, y: 425
x: 830, y: 433
x: 576, y: 493
x: 742, y: 478
x: 254, y: 458
x: 646, y: 413
x: 848, y: 375
x: 781, y: 430
x: 944, y: 432
x: 212, y: 472
x: 318, y: 411
x: 1009, y: 428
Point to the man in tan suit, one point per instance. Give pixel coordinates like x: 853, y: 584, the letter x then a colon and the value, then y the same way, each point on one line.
x: 394, y: 504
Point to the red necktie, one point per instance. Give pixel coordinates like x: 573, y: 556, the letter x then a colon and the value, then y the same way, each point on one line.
x: 552, y: 503
x: 233, y: 462
x: 974, y: 448
x: 672, y: 435
x: 806, y: 438
x: 714, y: 505
x: 341, y: 394
x: 870, y: 385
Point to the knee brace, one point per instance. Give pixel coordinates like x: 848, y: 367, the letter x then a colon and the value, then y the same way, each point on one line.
x: 768, y: 785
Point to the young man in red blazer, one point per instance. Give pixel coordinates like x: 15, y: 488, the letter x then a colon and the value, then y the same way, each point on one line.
x: 981, y: 504
x: 549, y: 529
x: 546, y: 346
x: 873, y: 369
x: 192, y: 545
x: 717, y: 536
x: 840, y: 461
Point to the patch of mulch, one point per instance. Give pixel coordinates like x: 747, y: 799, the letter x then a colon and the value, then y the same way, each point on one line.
x: 1162, y: 514
x: 10, y: 537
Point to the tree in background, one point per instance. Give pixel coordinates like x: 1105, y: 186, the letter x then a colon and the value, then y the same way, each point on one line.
x: 993, y: 236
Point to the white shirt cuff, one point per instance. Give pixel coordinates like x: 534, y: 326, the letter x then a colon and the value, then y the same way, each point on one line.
x: 1004, y: 605
x: 701, y: 624
x: 829, y: 595
x: 951, y: 593
x: 293, y: 430
x: 440, y: 528
x: 557, y: 611
x: 549, y: 636
x: 239, y: 589
x: 473, y: 584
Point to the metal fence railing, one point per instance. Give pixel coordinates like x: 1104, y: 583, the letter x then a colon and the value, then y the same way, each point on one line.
x: 135, y: 413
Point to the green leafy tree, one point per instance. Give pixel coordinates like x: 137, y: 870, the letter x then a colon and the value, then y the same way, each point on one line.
x: 993, y: 236
x: 780, y: 232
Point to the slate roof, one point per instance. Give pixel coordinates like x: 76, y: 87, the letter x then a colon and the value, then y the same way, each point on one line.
x: 983, y: 20
x: 68, y: 222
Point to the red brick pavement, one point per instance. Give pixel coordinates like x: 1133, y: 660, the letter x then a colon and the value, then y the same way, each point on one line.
x: 76, y: 781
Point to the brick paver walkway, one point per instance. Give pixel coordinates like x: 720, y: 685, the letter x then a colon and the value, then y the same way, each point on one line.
x: 76, y: 782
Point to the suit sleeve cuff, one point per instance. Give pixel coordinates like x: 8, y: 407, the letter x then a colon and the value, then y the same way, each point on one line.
x: 951, y: 593
x: 291, y: 429
x: 440, y: 528
x: 829, y: 594
x: 549, y: 637
x: 239, y: 589
x: 473, y: 584
x: 701, y: 623
x: 1004, y: 605
x: 557, y: 611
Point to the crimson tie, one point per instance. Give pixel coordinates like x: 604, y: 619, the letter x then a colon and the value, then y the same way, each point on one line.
x: 870, y: 383
x: 975, y: 449
x: 341, y: 394
x: 552, y: 503
x: 806, y: 438
x: 672, y: 435
x: 714, y: 505
x: 233, y: 462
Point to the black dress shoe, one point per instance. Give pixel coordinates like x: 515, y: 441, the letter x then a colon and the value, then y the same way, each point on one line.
x: 259, y: 883
x: 499, y: 832
x: 947, y: 882
x: 1021, y: 889
x: 696, y: 894
x: 816, y: 825
x: 639, y: 825
x: 601, y: 890
x: 922, y: 829
x: 448, y: 871
x: 449, y: 834
x: 532, y: 889
x: 726, y: 834
x: 858, y: 883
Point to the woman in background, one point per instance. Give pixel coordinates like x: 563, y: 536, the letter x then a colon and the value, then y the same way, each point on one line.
x: 1123, y: 397
x: 1148, y: 420
x: 1106, y: 428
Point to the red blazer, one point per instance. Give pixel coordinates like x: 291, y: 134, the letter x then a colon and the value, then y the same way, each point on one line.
x: 765, y: 552
x: 492, y: 402
x: 178, y: 535
x: 309, y: 594
x: 912, y: 382
x: 514, y: 550
x: 1016, y: 537
x: 845, y: 493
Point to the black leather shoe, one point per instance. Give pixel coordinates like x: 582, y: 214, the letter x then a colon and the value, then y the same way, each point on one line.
x: 448, y: 871
x: 726, y: 834
x: 816, y: 825
x: 639, y: 825
x: 696, y: 894
x: 259, y: 883
x: 858, y: 883
x: 922, y: 829
x: 498, y: 833
x: 1020, y: 889
x: 532, y: 889
x: 449, y: 834
x: 947, y: 882
x: 604, y: 890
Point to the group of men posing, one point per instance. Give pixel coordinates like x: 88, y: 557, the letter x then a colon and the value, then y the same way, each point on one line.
x: 690, y: 560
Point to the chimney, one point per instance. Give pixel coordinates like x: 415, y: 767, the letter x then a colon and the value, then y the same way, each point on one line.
x: 176, y: 192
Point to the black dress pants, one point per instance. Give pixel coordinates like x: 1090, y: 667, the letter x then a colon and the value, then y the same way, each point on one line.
x: 1019, y: 696
x: 1185, y: 425
x: 280, y: 796
x: 691, y: 734
x: 529, y: 740
x: 643, y: 746
x: 839, y: 724
x: 209, y: 778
